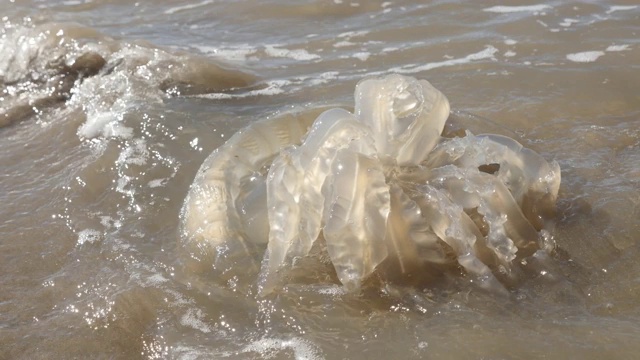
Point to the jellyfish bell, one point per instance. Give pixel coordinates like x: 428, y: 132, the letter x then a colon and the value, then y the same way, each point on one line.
x: 406, y: 116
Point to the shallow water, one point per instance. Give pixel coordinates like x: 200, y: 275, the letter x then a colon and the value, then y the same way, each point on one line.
x: 91, y: 185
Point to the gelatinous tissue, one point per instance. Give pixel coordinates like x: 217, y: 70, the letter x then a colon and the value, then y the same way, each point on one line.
x: 377, y: 186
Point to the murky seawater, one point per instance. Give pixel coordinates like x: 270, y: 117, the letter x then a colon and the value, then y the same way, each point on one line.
x: 96, y: 162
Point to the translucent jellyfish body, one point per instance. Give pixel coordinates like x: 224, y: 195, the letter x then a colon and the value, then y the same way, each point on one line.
x: 377, y: 186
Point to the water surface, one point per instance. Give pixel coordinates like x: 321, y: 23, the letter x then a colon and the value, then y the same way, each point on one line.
x: 92, y: 182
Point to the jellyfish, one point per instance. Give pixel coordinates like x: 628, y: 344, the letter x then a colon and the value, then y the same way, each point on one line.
x: 379, y: 184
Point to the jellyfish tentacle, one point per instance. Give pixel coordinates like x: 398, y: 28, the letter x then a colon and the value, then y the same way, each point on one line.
x: 294, y: 187
x: 210, y: 221
x: 453, y: 226
x: 509, y: 232
x: 540, y: 182
x: 533, y: 182
x: 410, y: 241
x: 357, y: 205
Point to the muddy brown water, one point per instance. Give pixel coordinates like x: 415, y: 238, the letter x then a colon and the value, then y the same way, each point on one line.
x: 91, y: 184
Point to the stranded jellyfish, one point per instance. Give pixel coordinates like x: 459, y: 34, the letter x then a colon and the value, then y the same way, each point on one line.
x: 377, y: 186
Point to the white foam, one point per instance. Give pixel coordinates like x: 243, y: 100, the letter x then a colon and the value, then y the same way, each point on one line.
x: 623, y: 47
x: 238, y: 53
x: 106, y: 100
x: 568, y: 22
x: 350, y: 34
x: 110, y: 223
x: 88, y: 236
x: 510, y: 42
x: 297, y: 54
x: 363, y: 56
x: 343, y: 44
x: 271, y: 347
x: 122, y: 183
x: 615, y: 8
x: 157, y: 182
x: 322, y: 78
x: 95, y: 124
x: 154, y: 280
x: 194, y: 143
x: 487, y: 53
x: 187, y: 7
x: 503, y: 9
x: 274, y: 87
x: 509, y: 53
x: 585, y: 56
x: 136, y: 153
x: 193, y: 319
